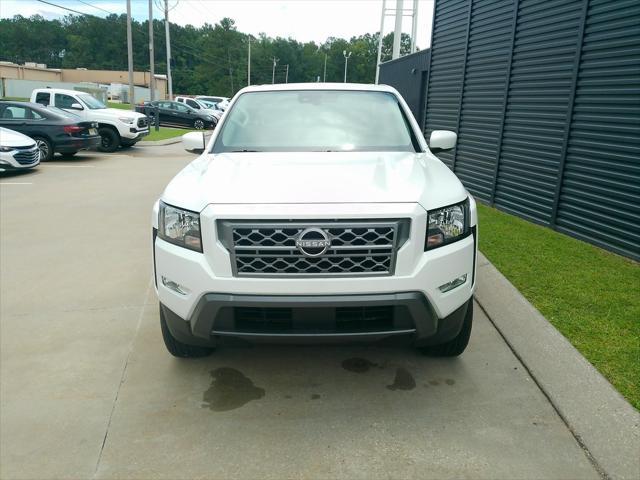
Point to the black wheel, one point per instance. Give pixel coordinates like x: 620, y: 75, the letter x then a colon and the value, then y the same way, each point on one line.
x: 110, y: 140
x: 69, y: 154
x: 458, y: 344
x: 198, y: 124
x: 45, y: 147
x: 177, y: 348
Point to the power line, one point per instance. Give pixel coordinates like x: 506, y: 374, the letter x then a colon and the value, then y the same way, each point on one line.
x: 70, y: 9
x: 94, y: 6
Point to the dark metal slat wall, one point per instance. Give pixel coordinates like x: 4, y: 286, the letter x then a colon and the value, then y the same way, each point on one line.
x: 545, y: 98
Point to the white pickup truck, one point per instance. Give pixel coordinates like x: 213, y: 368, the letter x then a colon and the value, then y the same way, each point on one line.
x: 316, y: 212
x: 116, y: 127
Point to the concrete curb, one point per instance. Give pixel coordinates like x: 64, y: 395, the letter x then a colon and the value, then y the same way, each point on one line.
x: 168, y: 141
x: 601, y: 420
x: 158, y: 143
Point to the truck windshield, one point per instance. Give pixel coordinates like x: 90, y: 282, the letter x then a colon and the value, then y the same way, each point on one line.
x: 91, y: 102
x: 316, y: 120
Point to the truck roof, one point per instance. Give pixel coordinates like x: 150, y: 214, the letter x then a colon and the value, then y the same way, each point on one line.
x: 58, y: 90
x: 319, y: 86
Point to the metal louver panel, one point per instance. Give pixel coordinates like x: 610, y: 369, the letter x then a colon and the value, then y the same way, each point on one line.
x: 483, y: 102
x: 600, y: 195
x: 446, y: 72
x: 542, y: 67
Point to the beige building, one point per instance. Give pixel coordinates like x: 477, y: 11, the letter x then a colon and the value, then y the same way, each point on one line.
x: 40, y: 72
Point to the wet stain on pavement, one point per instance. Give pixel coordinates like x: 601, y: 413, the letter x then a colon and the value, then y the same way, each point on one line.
x: 315, y: 396
x: 230, y: 389
x: 450, y: 381
x: 403, y: 381
x: 358, y: 365
x: 434, y: 382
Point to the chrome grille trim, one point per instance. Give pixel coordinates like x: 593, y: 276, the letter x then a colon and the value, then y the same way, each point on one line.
x: 27, y: 155
x: 268, y: 248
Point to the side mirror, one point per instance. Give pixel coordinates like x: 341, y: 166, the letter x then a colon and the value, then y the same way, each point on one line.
x: 76, y: 106
x: 194, y: 142
x: 441, y: 140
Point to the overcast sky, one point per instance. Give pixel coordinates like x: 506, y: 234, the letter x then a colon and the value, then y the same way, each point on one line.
x: 303, y: 20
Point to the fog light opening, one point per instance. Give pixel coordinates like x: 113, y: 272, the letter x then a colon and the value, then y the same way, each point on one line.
x: 453, y: 284
x: 176, y: 287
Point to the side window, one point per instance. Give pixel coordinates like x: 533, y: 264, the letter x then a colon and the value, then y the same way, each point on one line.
x: 13, y: 112
x: 43, y: 98
x: 193, y: 104
x: 64, y: 101
x: 181, y: 108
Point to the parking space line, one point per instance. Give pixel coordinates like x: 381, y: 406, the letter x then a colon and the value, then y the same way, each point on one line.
x: 68, y: 166
x: 16, y: 183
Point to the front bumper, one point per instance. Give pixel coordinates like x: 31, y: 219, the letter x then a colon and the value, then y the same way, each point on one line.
x: 417, y: 272
x: 325, y: 318
x: 136, y: 134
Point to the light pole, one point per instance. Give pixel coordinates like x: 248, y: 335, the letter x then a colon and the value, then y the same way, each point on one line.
x: 273, y: 72
x: 346, y: 62
x: 168, y: 37
x: 152, y: 71
x: 132, y: 102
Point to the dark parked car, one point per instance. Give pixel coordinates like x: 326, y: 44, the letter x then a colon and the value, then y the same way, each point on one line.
x: 177, y: 114
x: 53, y: 130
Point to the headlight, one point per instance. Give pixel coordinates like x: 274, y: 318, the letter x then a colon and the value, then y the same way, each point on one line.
x: 209, y: 118
x: 180, y: 227
x: 447, y: 225
x: 6, y: 149
x: 127, y: 120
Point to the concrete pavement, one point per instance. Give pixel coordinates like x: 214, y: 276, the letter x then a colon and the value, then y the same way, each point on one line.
x: 88, y: 390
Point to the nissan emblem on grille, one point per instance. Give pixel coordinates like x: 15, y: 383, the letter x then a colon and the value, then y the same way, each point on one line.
x: 313, y: 242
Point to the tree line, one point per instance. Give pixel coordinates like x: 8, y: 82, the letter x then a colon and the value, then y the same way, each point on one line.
x: 211, y: 59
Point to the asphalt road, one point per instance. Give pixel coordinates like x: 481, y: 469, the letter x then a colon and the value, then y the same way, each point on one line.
x: 87, y: 389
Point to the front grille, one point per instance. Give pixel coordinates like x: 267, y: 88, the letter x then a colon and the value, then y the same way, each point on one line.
x: 143, y: 122
x: 27, y: 156
x: 358, y: 247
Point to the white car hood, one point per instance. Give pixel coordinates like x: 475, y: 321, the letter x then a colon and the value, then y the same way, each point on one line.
x: 116, y: 113
x: 10, y: 138
x: 314, y: 177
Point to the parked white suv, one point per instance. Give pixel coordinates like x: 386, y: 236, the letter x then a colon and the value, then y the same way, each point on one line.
x: 17, y: 151
x: 316, y: 213
x: 116, y: 127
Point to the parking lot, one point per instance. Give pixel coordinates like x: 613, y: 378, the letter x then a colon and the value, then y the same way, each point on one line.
x: 88, y: 390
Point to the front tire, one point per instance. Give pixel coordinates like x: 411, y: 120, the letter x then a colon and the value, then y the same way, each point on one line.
x: 456, y: 345
x: 177, y: 348
x: 198, y: 124
x: 109, y: 140
x: 45, y: 147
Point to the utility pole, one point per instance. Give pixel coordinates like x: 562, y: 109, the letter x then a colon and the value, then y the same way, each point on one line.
x: 346, y: 62
x: 132, y: 101
x: 384, y: 4
x: 324, y: 76
x: 168, y: 39
x: 414, y: 26
x: 249, y: 62
x: 397, y: 33
x: 286, y: 75
x: 273, y: 72
x: 152, y: 73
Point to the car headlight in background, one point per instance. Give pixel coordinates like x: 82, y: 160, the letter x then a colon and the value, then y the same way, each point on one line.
x: 209, y: 118
x: 180, y: 227
x: 127, y: 120
x: 6, y: 149
x: 447, y: 225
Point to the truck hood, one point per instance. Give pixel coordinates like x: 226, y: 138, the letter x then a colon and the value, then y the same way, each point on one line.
x: 314, y: 177
x: 117, y: 113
